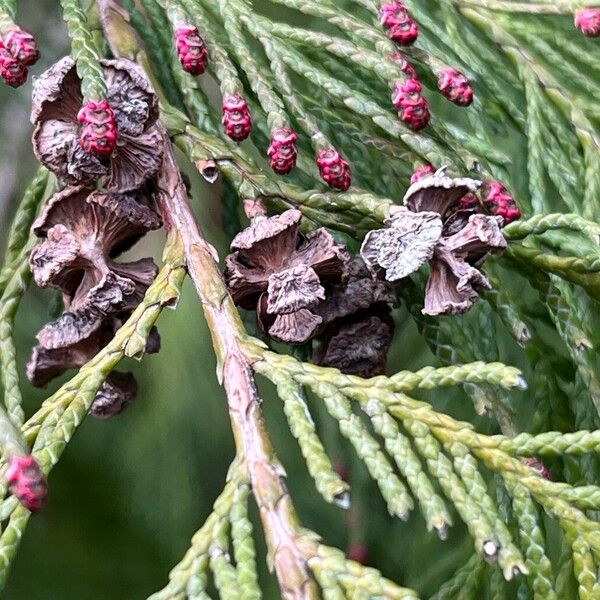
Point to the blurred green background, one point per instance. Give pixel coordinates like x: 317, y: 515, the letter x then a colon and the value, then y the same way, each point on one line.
x: 130, y: 492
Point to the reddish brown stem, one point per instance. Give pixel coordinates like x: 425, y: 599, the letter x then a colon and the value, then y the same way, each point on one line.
x: 265, y: 473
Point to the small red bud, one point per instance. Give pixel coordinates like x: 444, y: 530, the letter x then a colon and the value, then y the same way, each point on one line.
x: 191, y: 49
x: 342, y: 471
x: 358, y: 552
x: 282, y: 152
x: 401, y: 27
x: 404, y: 65
x: 455, y: 86
x: 405, y: 33
x: 27, y: 482
x: 422, y: 172
x: 13, y: 72
x: 236, y: 117
x: 587, y: 20
x: 335, y: 171
x: 22, y: 46
x: 99, y: 133
x: 498, y: 201
x: 412, y: 106
x: 536, y: 464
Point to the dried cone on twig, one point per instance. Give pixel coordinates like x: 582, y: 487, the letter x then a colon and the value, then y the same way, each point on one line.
x: 434, y: 227
x: 281, y: 274
x: 357, y: 328
x: 59, y: 123
x: 82, y: 232
x: 61, y: 348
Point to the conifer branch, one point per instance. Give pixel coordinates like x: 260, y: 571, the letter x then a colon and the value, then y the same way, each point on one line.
x: 534, y: 87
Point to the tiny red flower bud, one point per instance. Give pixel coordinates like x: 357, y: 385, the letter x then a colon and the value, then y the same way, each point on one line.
x: 404, y: 33
x: 404, y: 65
x: 536, y: 464
x: 13, y: 72
x: 498, y: 201
x: 587, y: 20
x: 422, y: 172
x: 282, y: 152
x: 405, y: 89
x: 236, y: 117
x: 358, y: 552
x: 22, y: 46
x: 27, y: 482
x: 401, y: 27
x: 455, y: 86
x: 342, y: 471
x: 191, y: 49
x: 413, y: 108
x: 99, y: 133
x: 335, y: 171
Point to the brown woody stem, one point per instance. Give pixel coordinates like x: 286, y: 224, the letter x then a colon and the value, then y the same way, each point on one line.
x: 265, y: 473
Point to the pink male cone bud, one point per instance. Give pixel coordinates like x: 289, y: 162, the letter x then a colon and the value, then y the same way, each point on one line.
x: 191, y: 49
x: 342, y: 471
x: 358, y: 552
x: 22, y: 46
x: 422, y: 172
x: 404, y: 65
x: 401, y: 27
x: 536, y: 464
x: 27, y: 482
x: 99, y: 133
x: 587, y: 20
x: 455, y: 86
x: 282, y: 152
x: 498, y: 201
x: 335, y: 171
x: 236, y: 117
x: 412, y: 107
x: 13, y: 72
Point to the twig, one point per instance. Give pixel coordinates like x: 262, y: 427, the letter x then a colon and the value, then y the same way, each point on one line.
x: 265, y: 473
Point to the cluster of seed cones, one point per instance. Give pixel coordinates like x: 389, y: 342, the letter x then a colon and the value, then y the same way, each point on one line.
x: 307, y: 288
x: 106, y: 206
